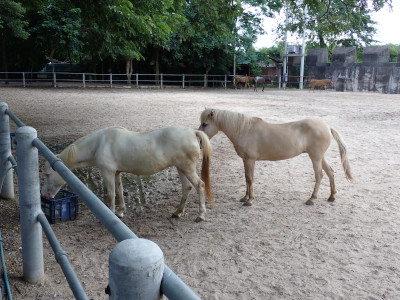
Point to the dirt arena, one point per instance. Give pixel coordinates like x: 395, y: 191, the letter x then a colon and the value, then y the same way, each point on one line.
x: 279, y: 248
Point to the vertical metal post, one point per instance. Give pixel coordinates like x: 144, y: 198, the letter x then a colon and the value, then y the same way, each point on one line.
x: 83, y: 80
x: 285, y: 53
x: 136, y: 268
x: 137, y: 80
x: 6, y: 173
x: 183, y: 81
x: 303, y: 46
x: 29, y: 201
x: 54, y: 79
x: 111, y: 83
x: 205, y: 80
x: 225, y: 81
x: 23, y: 79
x: 162, y: 78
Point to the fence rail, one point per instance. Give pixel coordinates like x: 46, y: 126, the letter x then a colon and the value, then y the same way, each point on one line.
x: 33, y: 219
x: 63, y: 79
x: 136, y: 80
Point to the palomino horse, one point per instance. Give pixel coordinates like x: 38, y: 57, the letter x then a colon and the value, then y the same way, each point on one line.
x: 321, y: 83
x: 255, y: 139
x: 115, y: 149
x: 242, y: 79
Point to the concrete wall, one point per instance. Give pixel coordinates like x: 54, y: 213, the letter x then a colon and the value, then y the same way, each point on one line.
x: 373, y: 74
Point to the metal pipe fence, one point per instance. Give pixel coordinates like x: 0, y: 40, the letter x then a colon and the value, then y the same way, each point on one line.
x: 135, y: 80
x: 33, y: 220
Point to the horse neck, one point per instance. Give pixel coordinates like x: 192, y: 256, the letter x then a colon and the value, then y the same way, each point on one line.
x: 230, y: 129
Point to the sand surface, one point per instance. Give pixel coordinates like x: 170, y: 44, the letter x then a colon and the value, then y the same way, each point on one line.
x: 279, y: 248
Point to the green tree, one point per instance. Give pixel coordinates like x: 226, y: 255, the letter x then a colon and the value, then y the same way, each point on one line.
x: 333, y: 23
x: 117, y: 30
x: 393, y: 52
x: 206, y: 39
x: 59, y: 26
x: 12, y: 26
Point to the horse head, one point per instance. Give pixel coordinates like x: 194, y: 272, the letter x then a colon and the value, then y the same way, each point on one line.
x: 207, y: 121
x: 52, y: 182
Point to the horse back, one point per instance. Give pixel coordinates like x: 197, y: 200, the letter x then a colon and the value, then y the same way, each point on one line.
x: 146, y: 153
x: 267, y: 141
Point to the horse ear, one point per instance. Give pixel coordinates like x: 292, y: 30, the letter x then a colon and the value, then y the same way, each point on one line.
x: 212, y: 113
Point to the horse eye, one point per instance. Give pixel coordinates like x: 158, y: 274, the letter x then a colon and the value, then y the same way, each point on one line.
x: 204, y: 124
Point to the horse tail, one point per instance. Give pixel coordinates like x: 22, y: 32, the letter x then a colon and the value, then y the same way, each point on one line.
x: 343, y: 155
x: 205, y: 167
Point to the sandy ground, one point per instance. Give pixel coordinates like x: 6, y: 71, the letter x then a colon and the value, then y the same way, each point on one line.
x: 277, y: 249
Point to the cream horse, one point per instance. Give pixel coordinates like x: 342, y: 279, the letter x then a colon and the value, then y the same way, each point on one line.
x: 255, y: 139
x: 115, y: 149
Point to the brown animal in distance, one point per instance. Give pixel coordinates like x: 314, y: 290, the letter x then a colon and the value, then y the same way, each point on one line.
x: 321, y: 83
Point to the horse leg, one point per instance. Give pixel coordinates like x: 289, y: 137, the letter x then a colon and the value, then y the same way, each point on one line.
x: 200, y: 188
x: 249, y: 175
x: 317, y: 165
x: 186, y: 188
x: 109, y: 182
x: 328, y: 170
x: 120, y: 195
x: 263, y: 87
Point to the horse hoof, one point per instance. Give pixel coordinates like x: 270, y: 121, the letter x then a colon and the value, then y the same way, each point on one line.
x: 175, y: 216
x: 243, y: 199
x: 309, y: 202
x: 199, y: 219
x: 247, y: 203
x: 120, y: 214
x: 331, y: 199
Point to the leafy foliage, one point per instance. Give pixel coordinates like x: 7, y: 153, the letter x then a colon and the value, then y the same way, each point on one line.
x: 180, y: 35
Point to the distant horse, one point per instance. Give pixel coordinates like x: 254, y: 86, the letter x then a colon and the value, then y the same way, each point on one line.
x: 257, y: 80
x: 115, y: 149
x: 241, y: 79
x: 255, y: 139
x: 263, y: 80
x: 321, y: 83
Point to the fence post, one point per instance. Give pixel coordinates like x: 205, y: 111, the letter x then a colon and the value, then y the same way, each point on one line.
x: 6, y: 173
x: 162, y: 78
x: 83, y: 80
x: 23, y: 79
x: 111, y: 84
x: 54, y: 79
x: 225, y: 81
x: 136, y: 268
x: 137, y: 80
x: 183, y: 81
x: 30, y: 207
x: 205, y: 80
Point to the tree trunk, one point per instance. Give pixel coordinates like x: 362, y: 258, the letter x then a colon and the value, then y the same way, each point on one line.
x: 53, y: 46
x: 207, y: 71
x: 3, y: 55
x: 129, y: 70
x: 157, y: 79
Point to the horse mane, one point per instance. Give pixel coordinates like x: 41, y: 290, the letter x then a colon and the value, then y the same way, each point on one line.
x: 232, y: 122
x: 68, y: 155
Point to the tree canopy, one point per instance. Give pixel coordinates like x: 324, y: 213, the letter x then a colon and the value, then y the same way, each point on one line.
x: 167, y: 35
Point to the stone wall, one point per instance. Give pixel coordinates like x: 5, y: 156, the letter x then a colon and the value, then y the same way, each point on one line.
x: 374, y: 74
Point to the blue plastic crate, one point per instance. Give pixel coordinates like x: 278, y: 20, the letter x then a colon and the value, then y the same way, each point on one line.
x: 13, y: 140
x: 63, y: 207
